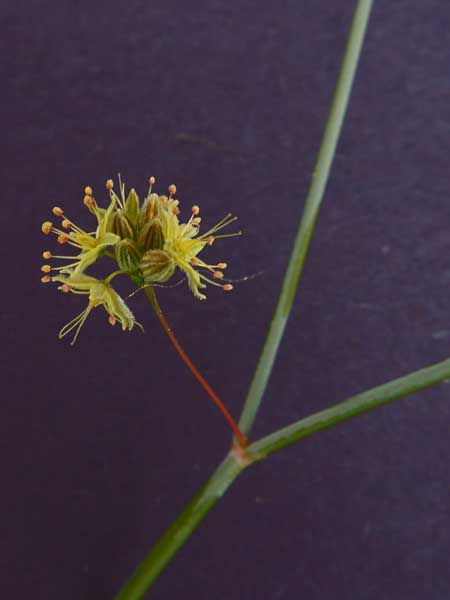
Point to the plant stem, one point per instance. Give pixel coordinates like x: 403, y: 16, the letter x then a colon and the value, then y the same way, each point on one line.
x: 311, y: 210
x: 356, y: 405
x: 180, y: 530
x: 159, y: 313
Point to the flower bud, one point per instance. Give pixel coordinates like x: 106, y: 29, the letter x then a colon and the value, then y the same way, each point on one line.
x: 121, y: 226
x: 131, y: 209
x: 127, y: 255
x: 156, y: 266
x: 149, y: 209
x: 151, y: 236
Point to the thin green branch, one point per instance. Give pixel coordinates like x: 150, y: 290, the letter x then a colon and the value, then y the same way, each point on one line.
x: 356, y: 405
x: 180, y: 530
x: 310, y: 213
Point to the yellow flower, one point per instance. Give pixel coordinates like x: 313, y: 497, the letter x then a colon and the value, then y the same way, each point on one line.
x: 100, y: 293
x: 91, y: 245
x: 181, y: 243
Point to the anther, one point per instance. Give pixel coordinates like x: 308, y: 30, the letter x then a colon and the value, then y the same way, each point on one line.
x: 109, y: 184
x: 195, y: 210
x: 65, y: 288
x: 62, y: 239
x: 218, y: 275
x: 152, y: 180
x: 46, y: 255
x: 66, y: 224
x: 210, y: 240
x: 172, y: 189
x: 88, y: 201
x: 46, y: 279
x: 176, y: 210
x: 196, y: 221
x: 88, y: 190
x: 222, y: 265
x: 46, y: 268
x: 227, y: 287
x: 112, y: 320
x: 195, y: 261
x: 46, y: 227
x: 57, y: 211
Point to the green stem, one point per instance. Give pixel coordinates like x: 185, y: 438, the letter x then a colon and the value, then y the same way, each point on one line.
x: 356, y: 405
x: 180, y: 530
x: 309, y: 217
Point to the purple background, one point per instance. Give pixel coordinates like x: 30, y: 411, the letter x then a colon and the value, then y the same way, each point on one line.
x: 103, y: 443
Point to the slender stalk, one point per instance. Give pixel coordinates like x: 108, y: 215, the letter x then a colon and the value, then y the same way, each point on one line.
x: 159, y: 313
x: 313, y: 201
x: 356, y: 405
x: 180, y: 530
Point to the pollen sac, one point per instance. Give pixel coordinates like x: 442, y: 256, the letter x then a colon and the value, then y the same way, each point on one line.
x: 156, y: 266
x: 151, y: 236
x: 149, y: 209
x: 127, y: 255
x: 131, y: 209
x: 121, y: 226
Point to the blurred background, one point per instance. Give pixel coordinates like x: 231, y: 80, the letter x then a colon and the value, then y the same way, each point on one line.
x: 103, y: 443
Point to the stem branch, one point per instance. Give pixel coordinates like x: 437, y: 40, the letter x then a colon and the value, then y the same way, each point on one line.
x: 312, y: 205
x: 356, y: 405
x: 212, y: 394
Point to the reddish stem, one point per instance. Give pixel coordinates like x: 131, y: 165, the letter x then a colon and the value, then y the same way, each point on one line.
x: 243, y: 442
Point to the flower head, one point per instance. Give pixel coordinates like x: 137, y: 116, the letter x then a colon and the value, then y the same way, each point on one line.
x: 148, y: 243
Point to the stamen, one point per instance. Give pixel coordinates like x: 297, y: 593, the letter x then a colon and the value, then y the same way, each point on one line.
x: 151, y: 182
x: 89, y: 201
x: 64, y: 257
x: 88, y: 190
x: 64, y: 267
x: 218, y: 275
x: 222, y: 265
x: 195, y: 210
x: 57, y: 211
x: 46, y: 255
x: 68, y: 224
x: 210, y: 281
x: 228, y: 287
x: 46, y: 227
x: 62, y: 239
x: 109, y: 184
x: 172, y: 190
x: 121, y: 201
x: 77, y: 323
x: 112, y: 320
x: 228, y: 235
x: 176, y: 210
x: 46, y: 268
x: 221, y: 224
x: 196, y: 221
x: 65, y: 288
x: 46, y: 279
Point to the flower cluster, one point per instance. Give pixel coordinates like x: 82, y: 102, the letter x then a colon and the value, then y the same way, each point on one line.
x: 147, y: 242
